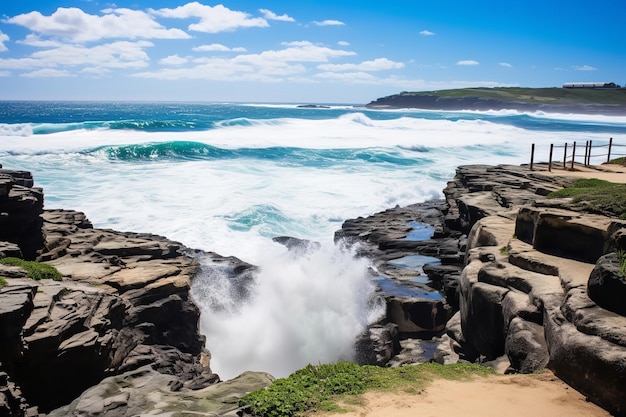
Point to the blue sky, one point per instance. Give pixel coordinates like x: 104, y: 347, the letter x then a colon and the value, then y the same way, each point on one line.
x: 321, y: 51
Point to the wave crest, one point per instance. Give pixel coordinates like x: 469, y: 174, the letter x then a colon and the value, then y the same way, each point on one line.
x: 19, y: 129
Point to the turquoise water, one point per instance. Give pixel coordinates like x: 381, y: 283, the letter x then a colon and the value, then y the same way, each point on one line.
x: 229, y: 177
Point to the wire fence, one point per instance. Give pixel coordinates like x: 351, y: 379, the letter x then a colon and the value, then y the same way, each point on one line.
x: 566, y: 155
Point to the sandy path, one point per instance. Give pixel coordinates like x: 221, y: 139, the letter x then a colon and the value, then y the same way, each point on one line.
x: 607, y: 172
x: 541, y: 395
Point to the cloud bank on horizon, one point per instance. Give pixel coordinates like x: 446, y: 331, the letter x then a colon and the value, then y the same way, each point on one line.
x: 322, y: 51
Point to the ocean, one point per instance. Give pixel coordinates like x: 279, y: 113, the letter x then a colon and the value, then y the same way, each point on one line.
x: 227, y: 178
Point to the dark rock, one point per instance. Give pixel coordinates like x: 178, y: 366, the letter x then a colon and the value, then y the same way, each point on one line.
x: 563, y: 233
x: 483, y: 324
x: 526, y: 346
x: 378, y: 344
x: 417, y: 316
x: 593, y: 366
x: 20, y: 209
x: 607, y: 284
x: 297, y: 246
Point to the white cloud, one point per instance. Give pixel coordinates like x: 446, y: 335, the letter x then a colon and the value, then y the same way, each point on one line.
x: 369, y: 79
x: 267, y: 66
x: 220, y: 69
x: 74, y: 24
x: 343, y: 43
x: 47, y: 73
x: 584, y: 68
x: 212, y: 19
x: 34, y: 40
x: 3, y: 38
x: 301, y: 51
x: 21, y: 63
x: 427, y: 33
x: 328, y: 23
x: 349, y: 77
x: 270, y: 15
x: 174, y: 60
x: 121, y: 54
x: 95, y: 72
x: 505, y: 64
x: 217, y: 47
x: 468, y: 62
x: 378, y: 64
x: 5, y: 74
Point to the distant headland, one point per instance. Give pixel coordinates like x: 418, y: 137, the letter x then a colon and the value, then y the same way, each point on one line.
x: 552, y: 100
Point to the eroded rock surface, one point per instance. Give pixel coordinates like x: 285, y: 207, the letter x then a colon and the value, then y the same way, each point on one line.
x: 521, y: 291
x: 121, y: 323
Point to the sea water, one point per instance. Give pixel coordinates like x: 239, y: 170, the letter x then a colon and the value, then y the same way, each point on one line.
x: 229, y: 177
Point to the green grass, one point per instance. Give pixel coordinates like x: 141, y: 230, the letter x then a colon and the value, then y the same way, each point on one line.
x: 35, y: 270
x: 3, y: 282
x: 596, y: 196
x: 323, y: 387
x: 534, y: 95
x: 618, y: 161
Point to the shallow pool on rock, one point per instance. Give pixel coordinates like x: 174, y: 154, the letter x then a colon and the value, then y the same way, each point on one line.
x: 420, y: 231
x: 407, y: 289
x: 414, y: 262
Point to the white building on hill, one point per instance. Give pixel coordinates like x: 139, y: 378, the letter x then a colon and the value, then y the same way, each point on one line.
x: 592, y: 85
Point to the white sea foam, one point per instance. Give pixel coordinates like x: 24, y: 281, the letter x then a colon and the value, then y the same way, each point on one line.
x: 301, y: 310
x: 18, y: 129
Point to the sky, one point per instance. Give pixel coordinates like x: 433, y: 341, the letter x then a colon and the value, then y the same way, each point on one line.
x: 301, y: 51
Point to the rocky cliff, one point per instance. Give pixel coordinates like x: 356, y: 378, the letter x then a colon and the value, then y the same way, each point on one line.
x: 528, y: 281
x: 118, y: 335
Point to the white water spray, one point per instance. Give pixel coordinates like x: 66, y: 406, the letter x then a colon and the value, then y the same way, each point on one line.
x: 300, y: 310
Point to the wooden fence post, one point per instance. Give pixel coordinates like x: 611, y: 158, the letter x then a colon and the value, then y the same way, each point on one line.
x: 532, y: 155
x: 589, y: 155
x: 586, y: 153
x: 608, y: 158
x: 550, y: 158
x: 573, y: 154
x: 565, y: 156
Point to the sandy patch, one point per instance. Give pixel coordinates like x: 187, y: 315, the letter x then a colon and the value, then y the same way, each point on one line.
x: 607, y: 172
x: 541, y: 395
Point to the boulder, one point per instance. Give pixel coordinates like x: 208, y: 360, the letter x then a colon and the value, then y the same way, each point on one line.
x: 526, y: 346
x: 607, y: 284
x: 378, y: 344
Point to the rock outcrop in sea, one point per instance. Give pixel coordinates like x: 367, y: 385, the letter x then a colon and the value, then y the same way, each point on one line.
x: 494, y: 273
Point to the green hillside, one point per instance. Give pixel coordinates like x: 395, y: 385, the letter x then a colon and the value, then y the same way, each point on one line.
x: 535, y: 95
x: 559, y: 100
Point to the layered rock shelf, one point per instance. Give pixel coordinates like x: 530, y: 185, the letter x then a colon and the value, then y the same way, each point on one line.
x: 118, y: 335
x: 528, y: 281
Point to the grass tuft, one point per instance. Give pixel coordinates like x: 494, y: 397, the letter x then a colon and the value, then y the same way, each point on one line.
x: 35, y: 270
x: 3, y: 282
x: 596, y: 196
x: 323, y: 387
x: 618, y: 161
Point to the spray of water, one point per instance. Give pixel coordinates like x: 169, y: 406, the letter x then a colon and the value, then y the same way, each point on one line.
x: 297, y: 309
